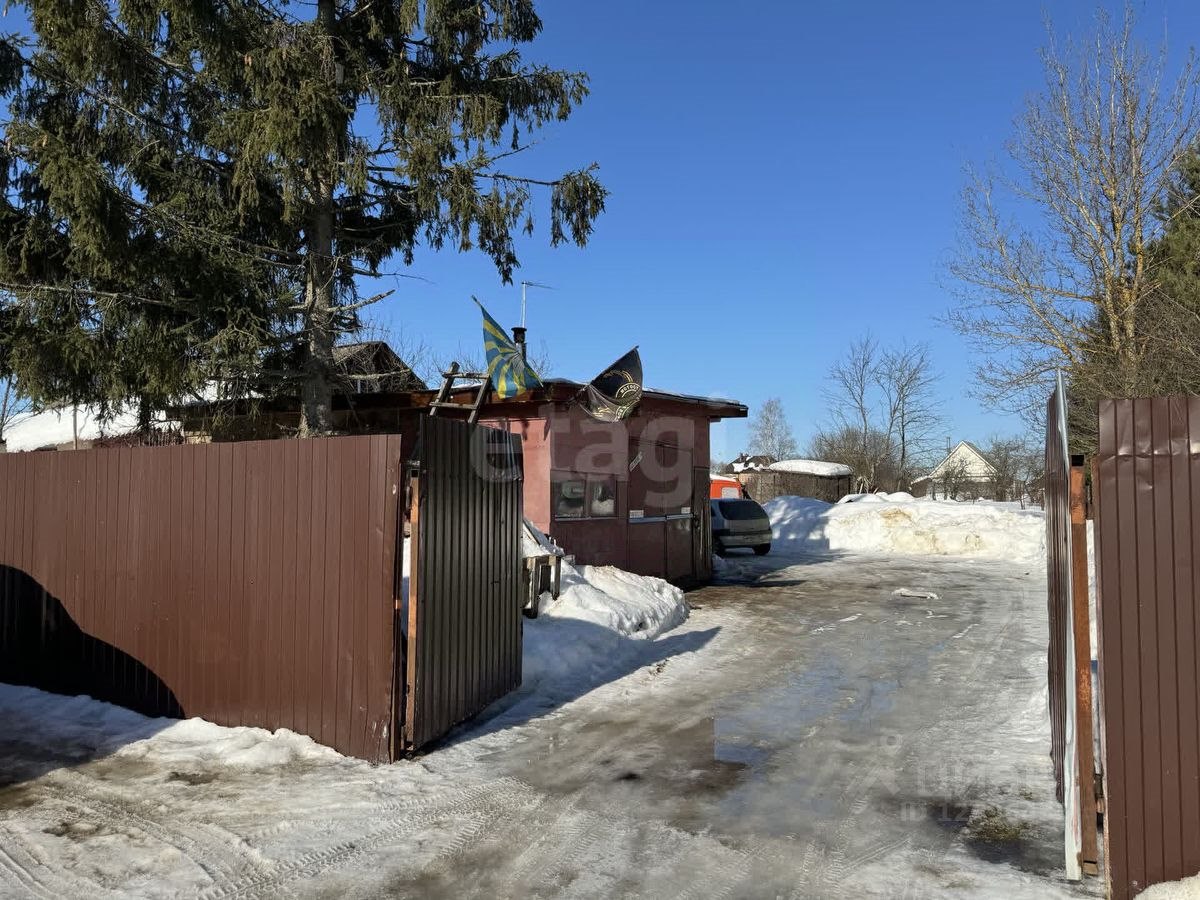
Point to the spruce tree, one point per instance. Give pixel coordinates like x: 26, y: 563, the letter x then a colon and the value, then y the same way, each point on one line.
x: 195, y: 190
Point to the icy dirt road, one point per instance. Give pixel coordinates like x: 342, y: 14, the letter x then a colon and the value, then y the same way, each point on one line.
x: 808, y: 732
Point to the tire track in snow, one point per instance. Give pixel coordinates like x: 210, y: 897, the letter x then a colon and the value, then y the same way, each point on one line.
x: 214, y: 855
x: 39, y: 878
x: 497, y: 799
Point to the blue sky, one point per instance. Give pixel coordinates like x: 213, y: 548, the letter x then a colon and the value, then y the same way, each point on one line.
x: 784, y: 178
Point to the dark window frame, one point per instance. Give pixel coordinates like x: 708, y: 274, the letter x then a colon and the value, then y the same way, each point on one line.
x: 590, y: 480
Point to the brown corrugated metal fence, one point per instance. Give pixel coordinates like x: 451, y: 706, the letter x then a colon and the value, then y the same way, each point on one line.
x: 249, y: 583
x: 1147, y: 490
x: 464, y: 616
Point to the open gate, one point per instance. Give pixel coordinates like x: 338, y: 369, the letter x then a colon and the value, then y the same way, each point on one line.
x: 463, y: 620
x: 1069, y: 651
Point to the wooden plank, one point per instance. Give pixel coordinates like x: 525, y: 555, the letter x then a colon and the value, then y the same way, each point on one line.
x: 1084, y: 735
x: 413, y: 648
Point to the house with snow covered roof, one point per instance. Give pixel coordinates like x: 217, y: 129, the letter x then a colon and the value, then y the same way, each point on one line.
x: 68, y: 428
x: 828, y: 481
x: 964, y: 474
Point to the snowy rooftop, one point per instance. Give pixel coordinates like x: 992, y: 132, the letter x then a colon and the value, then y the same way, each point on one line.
x: 55, y: 427
x: 812, y: 467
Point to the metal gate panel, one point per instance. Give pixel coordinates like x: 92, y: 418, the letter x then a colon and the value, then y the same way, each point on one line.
x: 1147, y: 490
x: 464, y: 625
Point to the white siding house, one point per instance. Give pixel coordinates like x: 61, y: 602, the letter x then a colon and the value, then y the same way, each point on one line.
x: 965, y: 473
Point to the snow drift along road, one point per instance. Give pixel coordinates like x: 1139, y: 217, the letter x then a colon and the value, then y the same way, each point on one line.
x: 884, y: 524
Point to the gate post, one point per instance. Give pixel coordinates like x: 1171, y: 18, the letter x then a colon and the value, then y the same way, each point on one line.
x: 1085, y: 741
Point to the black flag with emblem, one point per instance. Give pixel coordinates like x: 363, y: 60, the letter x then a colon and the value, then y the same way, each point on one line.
x: 612, y: 395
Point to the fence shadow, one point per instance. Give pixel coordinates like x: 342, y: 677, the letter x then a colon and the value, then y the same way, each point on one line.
x: 564, y: 659
x: 41, y: 646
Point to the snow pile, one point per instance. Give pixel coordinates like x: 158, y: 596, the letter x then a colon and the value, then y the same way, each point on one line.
x: 876, y: 524
x: 637, y: 606
x: 816, y: 467
x: 878, y: 497
x: 600, y: 613
x: 81, y: 726
x: 1187, y: 889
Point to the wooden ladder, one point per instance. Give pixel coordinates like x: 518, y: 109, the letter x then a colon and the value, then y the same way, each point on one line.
x: 442, y: 400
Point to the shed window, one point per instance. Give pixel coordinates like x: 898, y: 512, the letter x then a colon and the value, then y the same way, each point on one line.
x: 567, y: 495
x: 602, y: 496
x: 579, y: 496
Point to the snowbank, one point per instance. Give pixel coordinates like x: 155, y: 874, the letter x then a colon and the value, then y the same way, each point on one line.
x: 1187, y: 889
x: 812, y: 467
x: 600, y: 612
x: 877, y: 524
x: 83, y: 725
x: 636, y: 606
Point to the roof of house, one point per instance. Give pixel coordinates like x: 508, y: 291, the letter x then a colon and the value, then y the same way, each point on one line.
x: 53, y: 428
x: 971, y: 448
x: 371, y: 358
x: 376, y: 364
x: 817, y: 467
x: 759, y: 462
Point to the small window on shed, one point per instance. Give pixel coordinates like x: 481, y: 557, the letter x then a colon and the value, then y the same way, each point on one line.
x: 567, y: 495
x: 602, y: 496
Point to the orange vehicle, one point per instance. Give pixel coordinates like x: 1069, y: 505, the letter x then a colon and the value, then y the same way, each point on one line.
x: 724, y: 487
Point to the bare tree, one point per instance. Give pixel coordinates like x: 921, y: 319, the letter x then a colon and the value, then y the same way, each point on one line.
x: 870, y: 456
x: 954, y: 479
x: 906, y: 379
x: 13, y: 403
x: 882, y: 402
x: 769, y: 431
x: 851, y: 392
x: 1092, y: 157
x: 850, y: 383
x: 1016, y: 461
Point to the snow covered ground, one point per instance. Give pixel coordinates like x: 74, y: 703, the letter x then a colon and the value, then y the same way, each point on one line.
x: 898, y: 524
x: 1187, y: 889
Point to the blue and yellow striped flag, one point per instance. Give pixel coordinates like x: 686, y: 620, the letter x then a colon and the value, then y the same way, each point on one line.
x: 509, y: 372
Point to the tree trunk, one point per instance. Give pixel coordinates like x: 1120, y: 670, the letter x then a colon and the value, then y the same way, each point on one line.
x: 316, y: 407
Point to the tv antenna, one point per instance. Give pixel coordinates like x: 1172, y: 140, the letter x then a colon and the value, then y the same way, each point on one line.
x: 524, y: 286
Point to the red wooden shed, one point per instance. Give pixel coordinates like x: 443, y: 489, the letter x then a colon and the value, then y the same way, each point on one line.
x: 632, y: 494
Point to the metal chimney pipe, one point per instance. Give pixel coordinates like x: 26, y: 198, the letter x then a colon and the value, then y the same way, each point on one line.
x: 519, y: 337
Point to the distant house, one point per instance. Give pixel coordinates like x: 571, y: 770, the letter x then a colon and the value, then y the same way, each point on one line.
x: 367, y: 367
x: 372, y: 367
x: 69, y: 428
x: 965, y: 474
x: 828, y: 481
